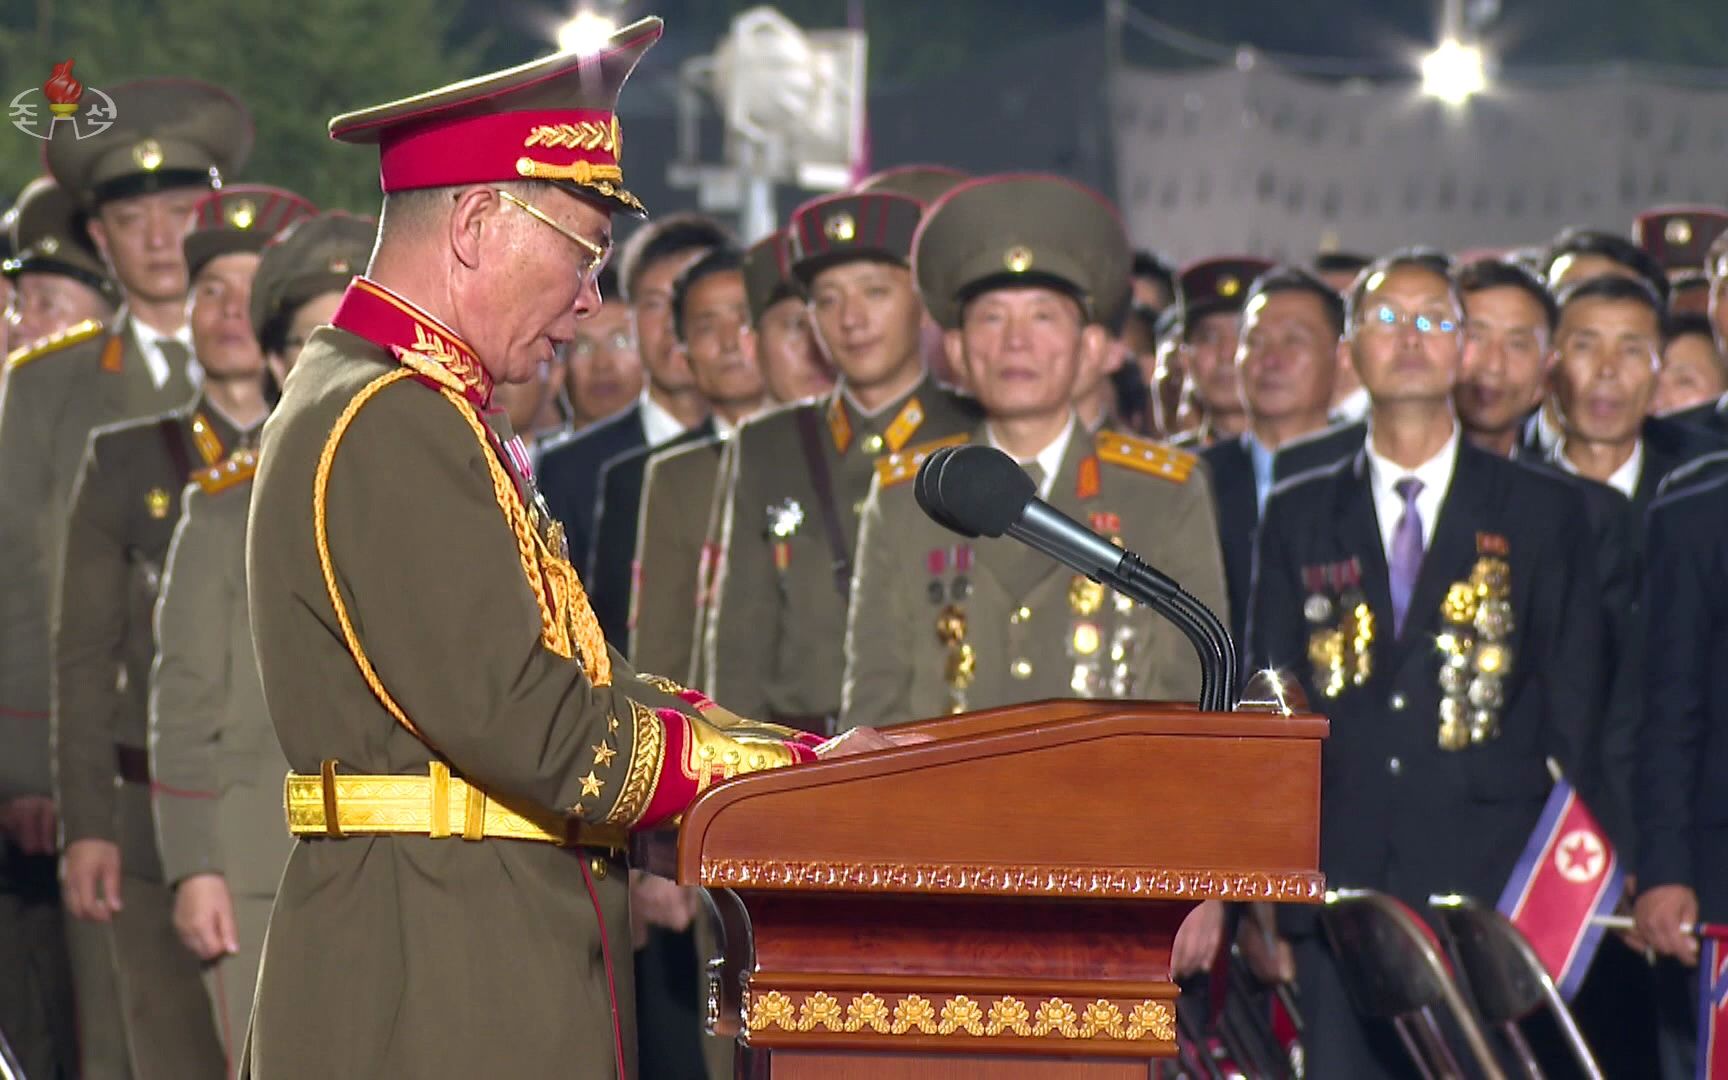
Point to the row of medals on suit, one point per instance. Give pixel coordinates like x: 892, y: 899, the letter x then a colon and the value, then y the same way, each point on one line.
x: 1099, y: 654
x: 1475, y: 657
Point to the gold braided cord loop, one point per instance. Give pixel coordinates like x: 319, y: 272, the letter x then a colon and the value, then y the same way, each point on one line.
x: 320, y: 491
x: 566, y: 618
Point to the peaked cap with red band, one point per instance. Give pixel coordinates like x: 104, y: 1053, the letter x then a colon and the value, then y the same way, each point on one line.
x: 551, y: 119
x: 833, y: 229
x: 240, y: 217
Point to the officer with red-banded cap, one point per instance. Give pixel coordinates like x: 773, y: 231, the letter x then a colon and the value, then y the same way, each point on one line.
x: 801, y: 473
x: 1210, y: 295
x: 468, y: 752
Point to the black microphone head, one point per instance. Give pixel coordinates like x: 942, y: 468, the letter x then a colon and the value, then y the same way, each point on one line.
x: 924, y: 486
x: 981, y: 491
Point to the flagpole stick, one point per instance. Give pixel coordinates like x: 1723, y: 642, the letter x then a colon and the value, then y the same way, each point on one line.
x: 1624, y: 922
x: 1554, y: 770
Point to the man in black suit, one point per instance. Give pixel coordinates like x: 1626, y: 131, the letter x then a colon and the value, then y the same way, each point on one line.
x: 570, y: 467
x: 1366, y: 575
x: 1682, y: 816
x: 1608, y: 346
x: 1287, y: 361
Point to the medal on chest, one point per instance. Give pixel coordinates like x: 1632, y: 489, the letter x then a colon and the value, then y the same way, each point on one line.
x: 1475, y: 649
x: 1341, y: 627
x: 948, y: 589
x: 1102, y: 638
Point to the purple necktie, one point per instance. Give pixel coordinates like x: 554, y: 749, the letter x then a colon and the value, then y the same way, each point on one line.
x: 1406, y: 559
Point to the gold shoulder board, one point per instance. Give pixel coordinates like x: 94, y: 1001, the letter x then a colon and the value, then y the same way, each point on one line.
x: 72, y: 335
x: 1146, y: 456
x: 899, y: 467
x: 236, y: 470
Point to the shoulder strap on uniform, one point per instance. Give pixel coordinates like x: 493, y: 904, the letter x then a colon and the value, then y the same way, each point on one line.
x: 903, y: 466
x: 1146, y: 456
x: 239, y: 467
x: 816, y: 460
x: 53, y: 343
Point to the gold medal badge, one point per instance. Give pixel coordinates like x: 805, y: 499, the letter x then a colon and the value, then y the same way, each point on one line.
x: 960, y: 667
x: 1475, y: 654
x: 1341, y: 638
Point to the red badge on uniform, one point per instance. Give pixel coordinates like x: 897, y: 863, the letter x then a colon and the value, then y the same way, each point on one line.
x: 1086, y: 486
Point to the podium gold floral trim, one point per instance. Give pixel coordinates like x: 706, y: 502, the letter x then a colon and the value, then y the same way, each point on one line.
x: 999, y: 1017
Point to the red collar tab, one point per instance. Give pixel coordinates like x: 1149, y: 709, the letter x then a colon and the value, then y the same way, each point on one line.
x: 371, y: 311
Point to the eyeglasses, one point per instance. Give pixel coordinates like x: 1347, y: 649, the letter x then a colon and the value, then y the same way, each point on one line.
x: 1388, y: 318
x: 596, y: 253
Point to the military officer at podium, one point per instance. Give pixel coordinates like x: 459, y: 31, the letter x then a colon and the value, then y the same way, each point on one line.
x: 468, y: 753
x: 1439, y: 604
x: 1014, y: 268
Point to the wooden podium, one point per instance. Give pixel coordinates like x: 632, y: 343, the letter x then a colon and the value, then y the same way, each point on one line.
x: 999, y: 901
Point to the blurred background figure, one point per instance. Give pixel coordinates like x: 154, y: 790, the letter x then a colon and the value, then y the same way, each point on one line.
x: 1693, y: 369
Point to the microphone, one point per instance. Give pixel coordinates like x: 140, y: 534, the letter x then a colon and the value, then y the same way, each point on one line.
x: 980, y: 491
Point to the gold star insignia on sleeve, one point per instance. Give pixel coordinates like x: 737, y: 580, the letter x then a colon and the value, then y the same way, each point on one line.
x: 591, y: 784
x: 611, y: 724
x: 603, y: 754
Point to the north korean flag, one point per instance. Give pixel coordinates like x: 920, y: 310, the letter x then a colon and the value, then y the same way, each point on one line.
x: 1567, y: 876
x: 1713, y: 1010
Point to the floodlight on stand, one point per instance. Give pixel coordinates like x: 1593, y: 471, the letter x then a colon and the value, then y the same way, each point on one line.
x: 585, y: 32
x: 1454, y: 72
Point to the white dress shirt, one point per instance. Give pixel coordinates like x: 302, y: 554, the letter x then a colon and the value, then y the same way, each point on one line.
x: 1436, y: 477
x: 1048, y: 459
x: 658, y: 425
x: 150, y: 344
x: 1624, y: 479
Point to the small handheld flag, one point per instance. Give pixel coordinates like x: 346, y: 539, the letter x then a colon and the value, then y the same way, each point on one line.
x: 1713, y: 1009
x: 1566, y: 879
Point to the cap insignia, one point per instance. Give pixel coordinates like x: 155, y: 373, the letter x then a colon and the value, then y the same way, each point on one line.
x: 1229, y: 285
x: 1678, y: 231
x: 148, y: 155
x: 48, y: 245
x: 1018, y: 258
x: 840, y: 227
x: 242, y: 214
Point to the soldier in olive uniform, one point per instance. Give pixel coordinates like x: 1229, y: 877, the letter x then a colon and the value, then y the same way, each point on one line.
x: 59, y: 281
x: 137, y: 181
x: 1013, y: 268
x: 56, y: 272
x: 467, y: 751
x: 124, y: 508
x: 774, y: 639
x: 213, y: 754
x: 675, y: 542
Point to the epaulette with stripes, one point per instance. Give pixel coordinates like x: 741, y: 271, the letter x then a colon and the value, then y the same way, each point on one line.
x: 53, y: 343
x: 892, y: 469
x: 233, y: 471
x: 1146, y: 456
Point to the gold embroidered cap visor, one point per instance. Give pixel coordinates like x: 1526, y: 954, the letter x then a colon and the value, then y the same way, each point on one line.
x: 243, y: 217
x: 552, y: 119
x: 311, y: 257
x: 46, y: 230
x: 1025, y: 229
x: 166, y: 133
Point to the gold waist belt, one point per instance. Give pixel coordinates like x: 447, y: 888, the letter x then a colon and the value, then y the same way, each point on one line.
x: 436, y: 805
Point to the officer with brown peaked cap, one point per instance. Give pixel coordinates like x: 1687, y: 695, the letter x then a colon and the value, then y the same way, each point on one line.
x: 480, y: 925
x: 774, y: 639
x: 1679, y: 237
x: 1211, y: 293
x: 58, y: 274
x: 214, y: 759
x: 124, y: 508
x: 137, y: 182
x: 942, y: 624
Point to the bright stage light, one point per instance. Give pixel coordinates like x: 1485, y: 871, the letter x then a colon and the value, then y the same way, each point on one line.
x: 585, y: 32
x: 1454, y: 72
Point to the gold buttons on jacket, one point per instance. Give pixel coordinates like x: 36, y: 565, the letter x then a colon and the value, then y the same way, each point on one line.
x: 873, y: 444
x: 599, y: 868
x: 1021, y: 669
x: 1020, y: 615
